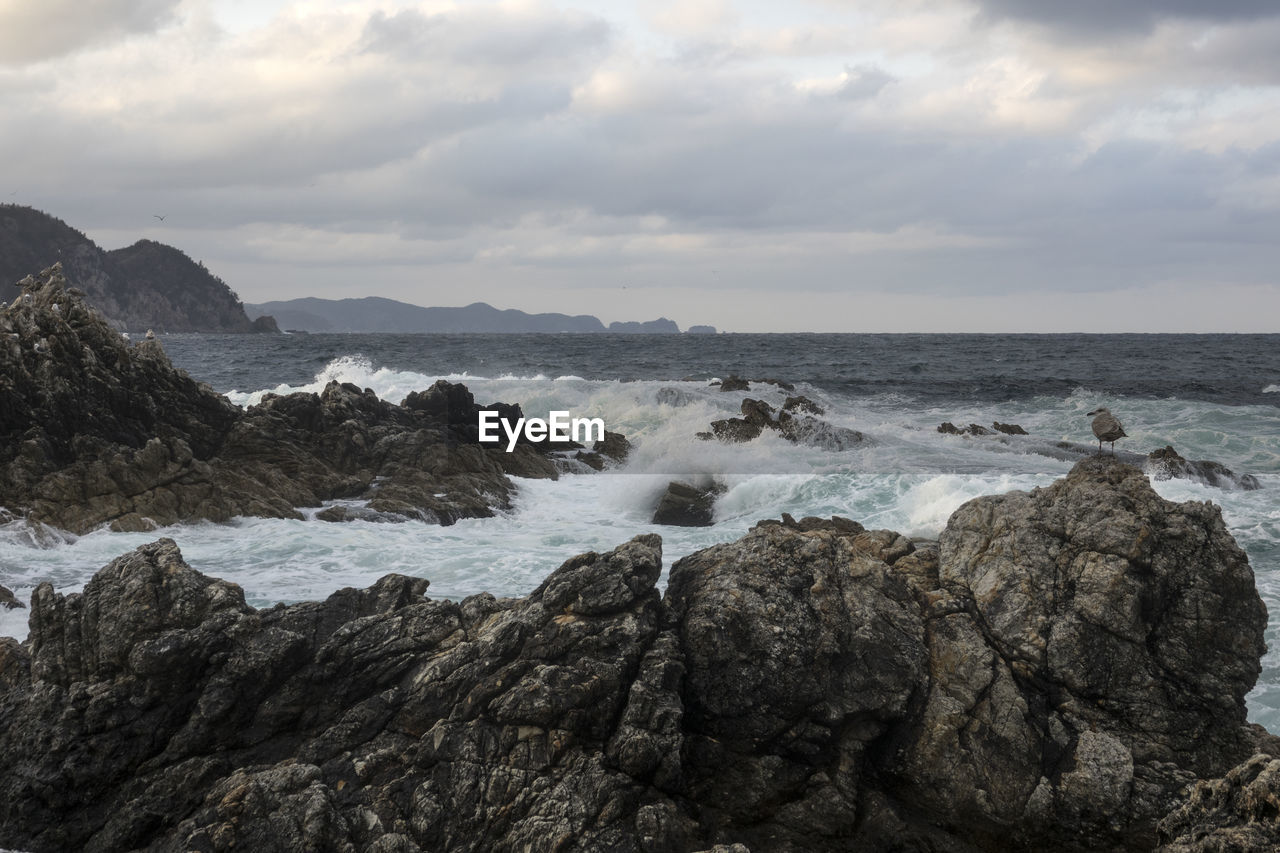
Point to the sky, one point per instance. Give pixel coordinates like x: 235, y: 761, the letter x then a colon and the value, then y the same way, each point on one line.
x: 915, y: 165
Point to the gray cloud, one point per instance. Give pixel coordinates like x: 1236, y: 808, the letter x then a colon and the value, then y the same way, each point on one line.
x: 479, y: 37
x: 32, y: 31
x: 531, y: 152
x: 1099, y: 17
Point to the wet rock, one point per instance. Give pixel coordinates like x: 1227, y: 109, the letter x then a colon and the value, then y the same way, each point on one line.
x: 683, y: 505
x: 803, y: 404
x: 1239, y: 812
x: 781, y: 383
x: 734, y: 383
x: 1008, y: 429
x: 758, y: 416
x: 100, y: 432
x: 1166, y: 463
x: 8, y: 600
x: 613, y: 448
x: 948, y: 428
x: 1056, y: 673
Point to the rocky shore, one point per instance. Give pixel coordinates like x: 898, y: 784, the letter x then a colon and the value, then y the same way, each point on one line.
x: 97, y: 430
x: 1064, y: 669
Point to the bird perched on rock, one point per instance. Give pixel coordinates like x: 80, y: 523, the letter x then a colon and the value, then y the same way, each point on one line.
x: 1106, y: 427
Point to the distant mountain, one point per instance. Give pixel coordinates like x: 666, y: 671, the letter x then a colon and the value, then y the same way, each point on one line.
x: 145, y: 286
x: 376, y: 314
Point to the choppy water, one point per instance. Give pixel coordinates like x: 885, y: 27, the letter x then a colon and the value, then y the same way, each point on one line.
x: 1211, y: 396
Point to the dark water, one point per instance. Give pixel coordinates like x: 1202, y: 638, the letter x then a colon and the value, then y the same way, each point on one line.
x: 1228, y: 369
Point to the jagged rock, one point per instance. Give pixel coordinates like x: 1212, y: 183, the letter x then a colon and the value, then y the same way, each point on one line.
x: 96, y: 431
x: 781, y: 383
x: 1239, y: 813
x: 375, y: 717
x: 1008, y: 429
x: 1054, y: 674
x: 614, y: 447
x: 800, y: 429
x: 734, y: 383
x: 1167, y: 463
x: 802, y: 403
x: 683, y: 505
x: 948, y: 428
x: 8, y: 600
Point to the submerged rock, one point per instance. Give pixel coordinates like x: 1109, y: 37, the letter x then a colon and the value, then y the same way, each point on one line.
x: 1053, y: 674
x: 97, y: 431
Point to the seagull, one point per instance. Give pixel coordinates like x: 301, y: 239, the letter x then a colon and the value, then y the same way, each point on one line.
x: 158, y: 216
x: 1106, y: 427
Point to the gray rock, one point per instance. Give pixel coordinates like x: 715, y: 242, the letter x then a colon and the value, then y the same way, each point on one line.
x: 8, y: 600
x: 684, y: 505
x: 1239, y: 812
x: 98, y: 432
x: 1008, y: 429
x: 1056, y: 673
x: 758, y: 416
x: 1166, y: 463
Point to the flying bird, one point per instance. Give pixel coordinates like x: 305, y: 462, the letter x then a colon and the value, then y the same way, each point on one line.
x: 1106, y: 427
x: 158, y: 216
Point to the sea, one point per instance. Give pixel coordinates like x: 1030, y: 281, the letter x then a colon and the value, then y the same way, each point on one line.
x: 1209, y: 396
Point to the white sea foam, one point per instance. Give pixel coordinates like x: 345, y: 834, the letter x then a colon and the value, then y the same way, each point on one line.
x: 1271, y: 389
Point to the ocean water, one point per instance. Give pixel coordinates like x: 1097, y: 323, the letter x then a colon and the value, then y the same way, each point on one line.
x: 1210, y: 396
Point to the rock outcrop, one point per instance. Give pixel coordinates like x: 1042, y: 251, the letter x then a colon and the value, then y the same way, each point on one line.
x: 99, y: 431
x: 1166, y: 463
x: 8, y: 600
x: 1053, y: 674
x: 1239, y: 812
x: 684, y: 505
x: 790, y: 422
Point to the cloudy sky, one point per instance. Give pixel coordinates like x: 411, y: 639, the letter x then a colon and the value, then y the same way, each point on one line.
x: 915, y: 165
